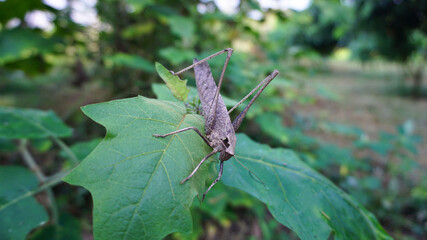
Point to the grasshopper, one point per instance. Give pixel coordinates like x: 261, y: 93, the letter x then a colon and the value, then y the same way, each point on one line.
x: 220, y: 131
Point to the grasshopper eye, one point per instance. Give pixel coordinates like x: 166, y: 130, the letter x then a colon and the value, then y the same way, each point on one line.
x: 226, y: 143
x: 229, y: 149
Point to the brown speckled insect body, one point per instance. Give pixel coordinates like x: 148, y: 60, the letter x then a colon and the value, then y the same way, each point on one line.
x: 219, y: 129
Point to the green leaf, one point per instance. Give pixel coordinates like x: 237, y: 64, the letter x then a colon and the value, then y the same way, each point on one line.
x: 346, y: 130
x: 139, y: 5
x: 128, y: 60
x: 272, y: 125
x: 20, y: 8
x: 41, y: 144
x: 7, y: 145
x: 18, y: 123
x: 177, y: 55
x: 297, y: 196
x: 68, y: 229
x: 182, y: 27
x: 177, y: 86
x: 135, y: 6
x: 18, y: 44
x: 162, y: 92
x: 19, y: 213
x: 138, y: 30
x: 133, y: 177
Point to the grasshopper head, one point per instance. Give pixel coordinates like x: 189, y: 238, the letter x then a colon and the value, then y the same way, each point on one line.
x: 224, y: 156
x: 229, y: 145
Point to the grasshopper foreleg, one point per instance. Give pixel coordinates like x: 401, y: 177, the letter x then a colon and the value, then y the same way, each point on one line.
x: 182, y: 130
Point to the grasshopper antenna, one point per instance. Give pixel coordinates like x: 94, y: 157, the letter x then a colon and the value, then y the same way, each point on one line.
x: 246, y: 168
x: 259, y: 179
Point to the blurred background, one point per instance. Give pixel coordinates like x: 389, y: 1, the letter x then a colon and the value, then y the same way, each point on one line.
x: 350, y: 100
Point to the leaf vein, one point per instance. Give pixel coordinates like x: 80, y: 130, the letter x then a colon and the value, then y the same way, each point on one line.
x: 143, y: 118
x: 278, y: 166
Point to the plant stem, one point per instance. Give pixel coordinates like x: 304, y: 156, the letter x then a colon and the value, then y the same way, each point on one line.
x: 31, y: 163
x: 66, y: 149
x: 29, y: 160
x: 50, y: 183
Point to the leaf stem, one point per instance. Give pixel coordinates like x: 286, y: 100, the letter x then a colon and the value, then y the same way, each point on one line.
x: 66, y: 149
x: 31, y: 163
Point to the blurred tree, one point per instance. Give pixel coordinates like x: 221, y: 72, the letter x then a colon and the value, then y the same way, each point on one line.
x: 395, y: 30
x: 322, y: 27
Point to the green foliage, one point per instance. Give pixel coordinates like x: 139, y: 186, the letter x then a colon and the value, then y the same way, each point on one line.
x: 138, y: 5
x: 177, y: 56
x: 28, y: 123
x: 134, y: 177
x: 67, y: 229
x: 177, y: 86
x: 25, y: 49
x: 20, y: 8
x: 19, y: 211
x: 7, y: 145
x: 297, y: 196
x: 271, y: 124
x: 113, y: 59
x: 392, y: 37
x: 18, y: 44
x: 345, y: 130
x: 325, y: 24
x: 154, y: 185
x: 128, y: 60
x: 182, y: 27
x: 82, y: 149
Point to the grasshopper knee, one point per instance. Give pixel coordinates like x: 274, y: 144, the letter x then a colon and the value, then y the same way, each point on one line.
x: 157, y: 136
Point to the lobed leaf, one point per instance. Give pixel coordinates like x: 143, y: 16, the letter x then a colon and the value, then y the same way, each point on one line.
x: 133, y: 177
x: 19, y: 211
x: 297, y: 196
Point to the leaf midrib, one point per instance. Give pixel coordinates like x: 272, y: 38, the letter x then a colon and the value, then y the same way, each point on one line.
x: 149, y: 180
